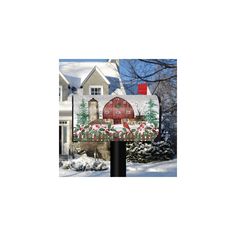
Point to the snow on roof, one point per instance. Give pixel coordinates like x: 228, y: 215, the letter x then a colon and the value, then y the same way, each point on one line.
x: 64, y: 78
x: 118, y: 91
x: 77, y: 72
x: 114, y: 84
x: 82, y: 69
x: 74, y: 81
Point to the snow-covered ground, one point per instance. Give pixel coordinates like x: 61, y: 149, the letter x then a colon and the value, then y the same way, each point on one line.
x: 152, y: 169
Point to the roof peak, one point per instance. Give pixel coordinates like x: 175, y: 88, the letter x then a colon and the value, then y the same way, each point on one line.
x: 95, y: 68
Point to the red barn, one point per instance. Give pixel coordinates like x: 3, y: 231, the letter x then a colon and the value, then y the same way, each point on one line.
x: 118, y: 109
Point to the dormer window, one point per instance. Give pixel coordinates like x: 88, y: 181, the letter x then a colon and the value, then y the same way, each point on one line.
x: 95, y: 90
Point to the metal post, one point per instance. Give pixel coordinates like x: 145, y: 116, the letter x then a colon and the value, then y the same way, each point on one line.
x: 118, y: 159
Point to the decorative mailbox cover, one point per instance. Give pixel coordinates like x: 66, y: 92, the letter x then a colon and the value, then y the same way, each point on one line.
x: 106, y: 118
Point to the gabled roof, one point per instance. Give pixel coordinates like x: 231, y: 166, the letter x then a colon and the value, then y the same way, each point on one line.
x: 64, y: 78
x: 77, y: 72
x: 114, y: 84
x: 82, y: 69
x: 95, y: 68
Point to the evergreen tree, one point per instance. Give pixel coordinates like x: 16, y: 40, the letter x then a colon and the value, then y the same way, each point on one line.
x: 151, y: 114
x: 82, y: 116
x: 144, y: 152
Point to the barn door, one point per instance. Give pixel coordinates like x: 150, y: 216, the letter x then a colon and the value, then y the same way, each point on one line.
x: 117, y: 121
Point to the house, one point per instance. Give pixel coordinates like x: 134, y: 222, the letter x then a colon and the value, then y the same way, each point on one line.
x: 84, y: 78
x: 65, y: 115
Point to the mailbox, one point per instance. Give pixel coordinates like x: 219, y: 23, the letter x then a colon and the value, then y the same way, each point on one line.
x: 108, y: 118
x: 115, y: 119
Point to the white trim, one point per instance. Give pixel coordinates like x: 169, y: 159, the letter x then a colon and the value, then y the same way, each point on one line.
x: 60, y: 93
x: 95, y: 68
x: 64, y: 78
x: 62, y: 118
x: 113, y: 61
x: 65, y: 145
x: 95, y: 86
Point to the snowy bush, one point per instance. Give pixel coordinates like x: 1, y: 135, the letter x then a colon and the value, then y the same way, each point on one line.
x: 84, y: 163
x: 144, y: 152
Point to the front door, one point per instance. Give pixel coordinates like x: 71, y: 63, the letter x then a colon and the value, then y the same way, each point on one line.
x: 63, y: 139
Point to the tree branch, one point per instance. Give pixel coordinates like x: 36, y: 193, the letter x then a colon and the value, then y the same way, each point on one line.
x: 159, y: 62
x: 174, y: 107
x: 167, y: 78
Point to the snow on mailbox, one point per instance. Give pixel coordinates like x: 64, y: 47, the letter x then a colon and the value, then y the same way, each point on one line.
x: 108, y: 118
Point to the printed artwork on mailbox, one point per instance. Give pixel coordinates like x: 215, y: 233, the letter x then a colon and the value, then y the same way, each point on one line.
x: 99, y: 118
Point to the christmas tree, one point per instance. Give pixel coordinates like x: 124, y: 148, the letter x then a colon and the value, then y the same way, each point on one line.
x: 82, y: 116
x: 151, y: 114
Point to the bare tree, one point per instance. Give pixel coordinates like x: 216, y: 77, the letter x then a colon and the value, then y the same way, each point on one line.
x: 161, y: 77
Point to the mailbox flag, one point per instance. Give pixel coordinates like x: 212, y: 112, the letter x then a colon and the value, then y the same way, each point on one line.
x: 142, y: 89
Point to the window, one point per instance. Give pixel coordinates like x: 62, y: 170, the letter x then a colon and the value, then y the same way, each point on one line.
x: 96, y: 90
x: 60, y: 93
x: 62, y: 122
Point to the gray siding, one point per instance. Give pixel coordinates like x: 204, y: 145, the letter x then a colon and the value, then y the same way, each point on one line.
x: 95, y: 79
x: 65, y: 90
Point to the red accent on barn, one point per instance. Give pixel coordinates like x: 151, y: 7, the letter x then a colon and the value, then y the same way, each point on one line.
x: 117, y: 109
x: 142, y: 89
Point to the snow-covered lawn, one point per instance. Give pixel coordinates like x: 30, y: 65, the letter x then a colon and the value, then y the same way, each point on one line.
x: 152, y: 169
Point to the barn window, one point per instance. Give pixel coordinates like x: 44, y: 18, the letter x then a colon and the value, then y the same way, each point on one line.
x: 118, y: 105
